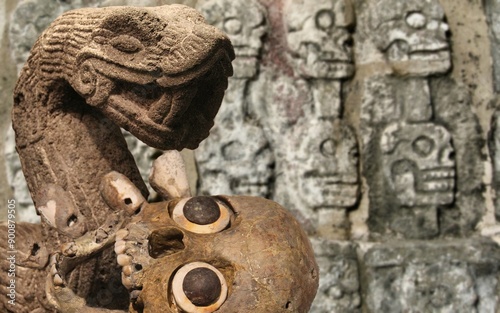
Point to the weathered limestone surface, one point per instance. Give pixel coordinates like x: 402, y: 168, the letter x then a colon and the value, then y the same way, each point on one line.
x: 372, y: 121
x: 339, y: 286
x: 439, y: 276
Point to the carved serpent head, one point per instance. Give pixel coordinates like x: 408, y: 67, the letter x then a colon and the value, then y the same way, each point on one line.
x: 158, y: 72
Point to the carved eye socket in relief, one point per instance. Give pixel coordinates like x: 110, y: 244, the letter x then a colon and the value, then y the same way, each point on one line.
x: 416, y: 20
x: 202, y: 215
x: 233, y: 26
x: 199, y: 287
x: 328, y: 147
x: 127, y: 44
x: 354, y: 153
x: 325, y: 20
x: 423, y: 146
x: 86, y: 79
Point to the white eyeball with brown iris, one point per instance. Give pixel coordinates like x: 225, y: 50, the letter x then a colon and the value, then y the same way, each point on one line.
x: 202, y: 215
x: 199, y: 287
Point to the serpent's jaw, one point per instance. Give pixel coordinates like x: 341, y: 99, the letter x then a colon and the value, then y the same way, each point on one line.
x: 165, y: 83
x: 169, y: 117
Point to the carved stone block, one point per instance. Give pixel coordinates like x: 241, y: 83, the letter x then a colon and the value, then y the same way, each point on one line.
x: 411, y: 35
x: 320, y: 179
x: 460, y: 276
x: 236, y: 158
x: 339, y: 286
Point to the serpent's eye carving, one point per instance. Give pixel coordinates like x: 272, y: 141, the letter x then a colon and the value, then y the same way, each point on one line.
x: 202, y: 215
x: 127, y: 44
x: 199, y: 287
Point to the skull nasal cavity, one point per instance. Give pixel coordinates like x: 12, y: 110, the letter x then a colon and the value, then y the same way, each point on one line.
x: 165, y: 241
x: 202, y: 286
x: 202, y: 210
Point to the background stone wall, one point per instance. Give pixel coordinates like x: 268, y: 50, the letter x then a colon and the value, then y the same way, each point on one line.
x: 373, y: 121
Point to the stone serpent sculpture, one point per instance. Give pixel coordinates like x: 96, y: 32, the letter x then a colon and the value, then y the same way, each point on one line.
x: 159, y: 73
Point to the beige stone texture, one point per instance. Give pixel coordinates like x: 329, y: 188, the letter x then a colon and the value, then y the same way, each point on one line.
x: 7, y: 81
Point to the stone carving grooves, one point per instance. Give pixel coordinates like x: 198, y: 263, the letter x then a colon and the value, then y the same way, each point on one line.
x: 95, y: 69
x: 459, y: 276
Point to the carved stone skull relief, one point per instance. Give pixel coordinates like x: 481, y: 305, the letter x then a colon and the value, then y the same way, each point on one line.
x: 244, y: 23
x: 235, y: 162
x: 412, y: 35
x: 326, y: 163
x: 319, y: 38
x: 418, y: 163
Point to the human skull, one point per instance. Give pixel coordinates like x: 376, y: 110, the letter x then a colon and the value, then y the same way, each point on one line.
x: 244, y: 22
x: 224, y: 254
x: 319, y: 38
x: 418, y: 162
x: 326, y: 165
x: 412, y: 35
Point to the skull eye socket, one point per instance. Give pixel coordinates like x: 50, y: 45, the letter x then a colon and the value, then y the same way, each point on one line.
x: 416, y: 20
x: 233, y: 26
x: 423, y: 146
x: 325, y: 20
x: 328, y: 147
x: 202, y: 215
x: 199, y: 287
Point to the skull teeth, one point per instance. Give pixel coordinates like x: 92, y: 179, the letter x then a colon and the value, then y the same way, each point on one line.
x: 58, y: 280
x: 439, y: 174
x: 128, y: 270
x: 127, y: 281
x: 120, y: 247
x: 436, y: 186
x: 124, y: 260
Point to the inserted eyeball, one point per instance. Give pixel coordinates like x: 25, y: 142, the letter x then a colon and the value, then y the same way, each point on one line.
x: 199, y: 287
x: 202, y: 215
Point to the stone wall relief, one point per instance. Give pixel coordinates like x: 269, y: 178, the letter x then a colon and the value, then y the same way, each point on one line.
x: 411, y: 35
x: 339, y: 285
x: 441, y: 276
x: 419, y: 170
x: 267, y: 111
x: 404, y: 99
x: 236, y: 158
x: 319, y: 51
x: 323, y: 172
